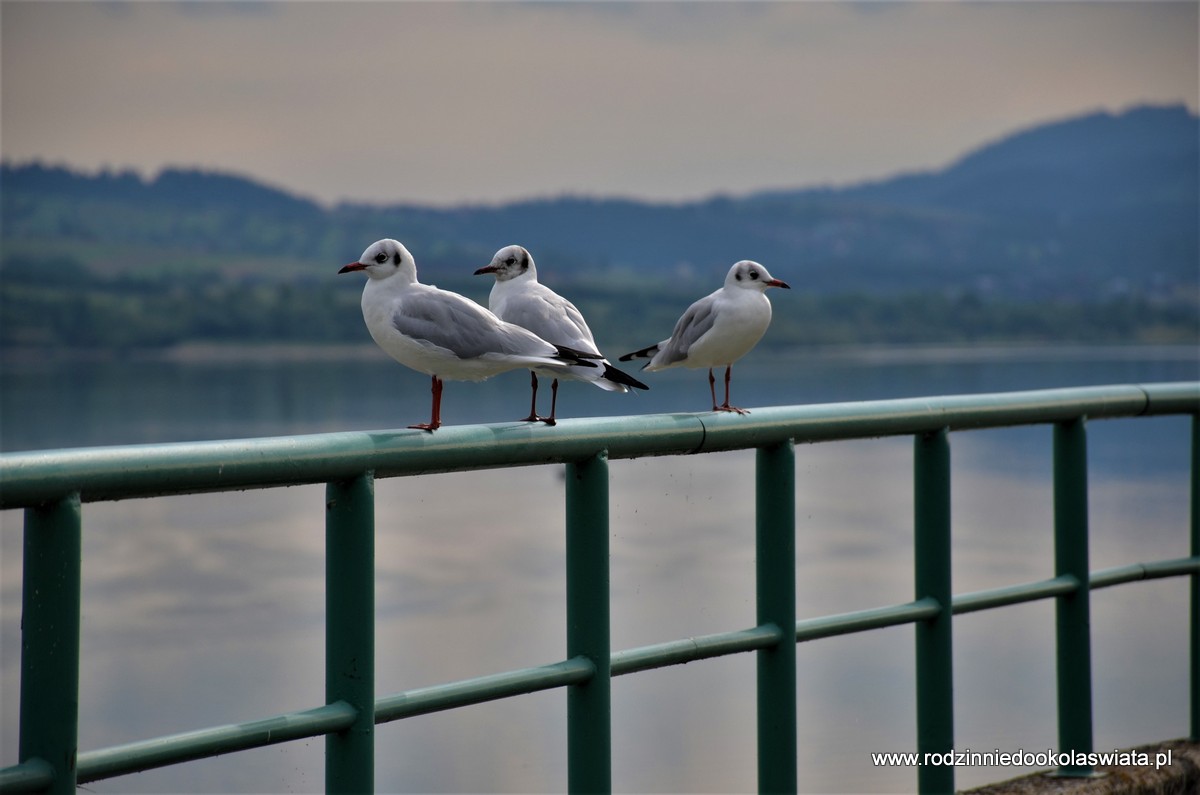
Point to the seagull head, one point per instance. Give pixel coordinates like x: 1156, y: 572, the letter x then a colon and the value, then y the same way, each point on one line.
x: 752, y: 276
x: 385, y: 258
x: 509, y: 263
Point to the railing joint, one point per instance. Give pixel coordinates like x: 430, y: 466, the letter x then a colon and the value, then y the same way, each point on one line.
x: 1075, y: 585
x: 703, y: 435
x: 32, y: 775
x: 351, y: 712
x: 1146, y: 394
x: 592, y: 668
x: 776, y: 632
x: 930, y: 603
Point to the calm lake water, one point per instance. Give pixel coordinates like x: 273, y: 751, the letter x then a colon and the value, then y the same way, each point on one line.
x: 208, y: 609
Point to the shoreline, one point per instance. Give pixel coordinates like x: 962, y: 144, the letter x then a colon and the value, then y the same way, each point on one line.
x: 867, y: 353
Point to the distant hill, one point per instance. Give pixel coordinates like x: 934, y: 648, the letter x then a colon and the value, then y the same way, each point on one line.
x: 1082, y: 207
x: 1084, y: 230
x: 1100, y: 163
x: 1103, y: 197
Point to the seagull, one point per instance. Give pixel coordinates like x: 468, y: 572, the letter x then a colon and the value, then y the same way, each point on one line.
x: 518, y: 297
x: 443, y: 334
x: 718, y: 329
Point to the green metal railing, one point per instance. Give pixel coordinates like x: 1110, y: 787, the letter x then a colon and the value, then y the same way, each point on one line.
x: 52, y: 486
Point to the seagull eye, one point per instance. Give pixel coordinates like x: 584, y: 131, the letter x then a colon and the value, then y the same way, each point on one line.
x: 753, y: 274
x: 381, y: 258
x: 510, y: 261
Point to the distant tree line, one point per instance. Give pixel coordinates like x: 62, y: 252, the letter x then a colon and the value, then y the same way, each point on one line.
x: 1085, y: 230
x: 65, y: 305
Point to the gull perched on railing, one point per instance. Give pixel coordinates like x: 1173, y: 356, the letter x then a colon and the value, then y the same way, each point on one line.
x: 718, y: 329
x: 443, y: 334
x: 518, y: 297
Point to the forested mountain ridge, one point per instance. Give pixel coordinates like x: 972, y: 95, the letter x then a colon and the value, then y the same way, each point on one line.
x: 1085, y: 212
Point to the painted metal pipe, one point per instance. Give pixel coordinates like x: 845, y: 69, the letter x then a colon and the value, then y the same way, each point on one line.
x: 203, y: 743
x: 775, y: 573
x: 350, y: 630
x: 1072, y: 609
x: 50, y: 593
x: 1155, y: 570
x: 1013, y: 594
x: 863, y: 620
x: 32, y: 775
x: 1195, y: 584
x: 934, y: 642
x: 477, y: 690
x: 106, y: 763
x: 51, y: 485
x: 122, y: 472
x: 703, y: 647
x: 589, y: 703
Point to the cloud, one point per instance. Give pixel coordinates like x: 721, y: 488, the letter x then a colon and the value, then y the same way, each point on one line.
x: 493, y: 101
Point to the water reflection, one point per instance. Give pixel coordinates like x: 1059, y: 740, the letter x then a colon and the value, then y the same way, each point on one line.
x: 207, y: 609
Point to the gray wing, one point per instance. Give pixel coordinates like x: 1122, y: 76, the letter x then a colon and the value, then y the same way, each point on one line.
x: 695, y: 323
x: 553, y: 318
x: 449, y: 321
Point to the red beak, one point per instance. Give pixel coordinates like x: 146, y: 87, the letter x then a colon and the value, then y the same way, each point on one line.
x: 353, y: 266
x: 777, y: 283
x: 485, y: 269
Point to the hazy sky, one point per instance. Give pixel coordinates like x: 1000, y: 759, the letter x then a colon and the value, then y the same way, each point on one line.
x: 451, y: 101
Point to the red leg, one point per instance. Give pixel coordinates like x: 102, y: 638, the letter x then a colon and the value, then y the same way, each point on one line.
x: 533, y: 415
x: 712, y: 388
x: 553, y: 403
x: 437, y: 403
x: 435, y: 421
x: 725, y: 406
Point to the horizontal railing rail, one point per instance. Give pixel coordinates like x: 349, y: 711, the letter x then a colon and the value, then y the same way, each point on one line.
x: 52, y: 485
x: 123, y: 472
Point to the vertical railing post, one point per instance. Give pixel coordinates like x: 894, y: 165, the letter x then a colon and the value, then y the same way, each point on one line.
x: 775, y: 571
x: 1072, y: 610
x: 589, y: 704
x: 51, y: 590
x: 934, y: 638
x: 350, y: 630
x: 1195, y: 578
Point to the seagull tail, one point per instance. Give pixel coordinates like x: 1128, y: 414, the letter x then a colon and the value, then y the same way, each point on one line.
x: 644, y: 353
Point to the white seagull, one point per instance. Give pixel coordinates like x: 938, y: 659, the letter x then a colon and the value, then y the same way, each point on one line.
x: 718, y: 329
x: 518, y: 297
x: 443, y: 334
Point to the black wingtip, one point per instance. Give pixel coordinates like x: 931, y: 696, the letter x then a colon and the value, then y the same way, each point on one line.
x: 644, y: 353
x: 620, y: 377
x: 577, y: 357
